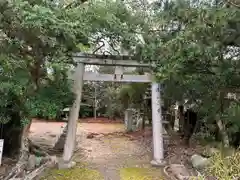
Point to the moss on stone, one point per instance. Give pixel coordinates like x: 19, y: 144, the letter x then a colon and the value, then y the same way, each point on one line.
x: 83, y: 173
x: 138, y: 174
x: 77, y: 173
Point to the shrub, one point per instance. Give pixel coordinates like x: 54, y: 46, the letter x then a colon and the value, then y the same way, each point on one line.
x: 224, y: 167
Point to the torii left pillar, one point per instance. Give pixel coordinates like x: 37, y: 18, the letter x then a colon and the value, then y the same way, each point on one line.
x: 69, y: 146
x: 158, y: 151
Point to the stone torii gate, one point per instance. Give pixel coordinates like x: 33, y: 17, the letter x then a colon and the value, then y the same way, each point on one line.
x: 119, y: 61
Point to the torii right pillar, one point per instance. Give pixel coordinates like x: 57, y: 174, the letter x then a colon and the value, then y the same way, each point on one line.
x: 158, y: 150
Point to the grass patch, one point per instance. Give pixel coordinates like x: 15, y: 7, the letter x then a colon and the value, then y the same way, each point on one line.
x: 138, y: 174
x: 77, y: 173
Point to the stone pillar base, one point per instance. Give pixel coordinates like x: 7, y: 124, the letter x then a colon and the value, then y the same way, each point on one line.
x: 66, y: 165
x: 158, y: 163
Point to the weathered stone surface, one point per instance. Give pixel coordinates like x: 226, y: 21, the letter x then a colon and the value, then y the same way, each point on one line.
x: 155, y: 163
x: 179, y: 171
x: 199, y: 162
x: 3, y: 170
x: 31, y: 162
x: 38, y: 161
x: 129, y: 120
x: 61, y: 141
x: 66, y: 165
x: 53, y: 161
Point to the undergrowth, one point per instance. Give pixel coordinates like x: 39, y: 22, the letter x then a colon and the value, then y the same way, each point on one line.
x: 224, y: 167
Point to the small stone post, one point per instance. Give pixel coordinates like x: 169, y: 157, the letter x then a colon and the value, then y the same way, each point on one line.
x: 128, y: 120
x: 125, y: 118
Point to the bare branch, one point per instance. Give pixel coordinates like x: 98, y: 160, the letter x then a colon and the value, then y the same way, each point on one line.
x: 230, y: 2
x: 103, y: 44
x: 75, y: 4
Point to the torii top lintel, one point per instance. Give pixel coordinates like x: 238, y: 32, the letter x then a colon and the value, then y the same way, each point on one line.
x: 108, y: 60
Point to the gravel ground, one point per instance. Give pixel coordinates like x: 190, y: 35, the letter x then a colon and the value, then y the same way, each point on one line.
x: 108, y: 151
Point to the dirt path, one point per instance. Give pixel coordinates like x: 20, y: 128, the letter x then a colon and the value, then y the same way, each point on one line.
x: 112, y: 155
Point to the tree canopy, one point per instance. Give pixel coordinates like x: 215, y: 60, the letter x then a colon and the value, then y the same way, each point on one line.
x: 37, y: 40
x: 196, y: 45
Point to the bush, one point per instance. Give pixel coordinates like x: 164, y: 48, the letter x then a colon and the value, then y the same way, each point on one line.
x: 224, y: 167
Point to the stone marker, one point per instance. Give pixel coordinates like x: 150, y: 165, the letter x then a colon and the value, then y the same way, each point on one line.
x: 199, y: 162
x: 31, y: 162
x: 61, y: 141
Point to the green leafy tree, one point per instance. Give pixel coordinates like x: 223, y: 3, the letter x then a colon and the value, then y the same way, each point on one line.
x: 190, y: 47
x: 37, y: 40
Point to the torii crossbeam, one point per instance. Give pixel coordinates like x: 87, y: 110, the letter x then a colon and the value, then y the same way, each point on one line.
x: 79, y: 75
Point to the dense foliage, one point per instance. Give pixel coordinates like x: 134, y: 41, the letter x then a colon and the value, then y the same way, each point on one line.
x: 196, y: 46
x: 37, y: 39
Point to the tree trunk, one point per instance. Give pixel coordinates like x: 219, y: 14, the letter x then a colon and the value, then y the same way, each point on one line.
x: 25, y: 145
x: 22, y: 148
x: 144, y: 114
x: 176, y: 126
x: 220, y: 124
x: 181, y: 118
x: 143, y: 122
x: 11, y: 132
